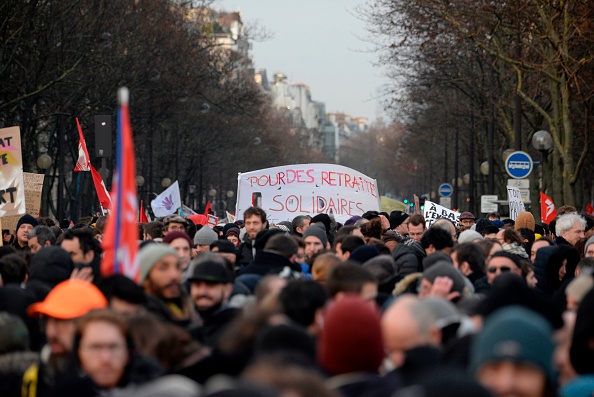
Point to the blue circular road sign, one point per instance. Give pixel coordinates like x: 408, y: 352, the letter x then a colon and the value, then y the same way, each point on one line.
x: 446, y: 190
x: 518, y: 165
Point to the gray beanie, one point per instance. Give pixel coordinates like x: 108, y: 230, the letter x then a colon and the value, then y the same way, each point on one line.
x: 445, y: 269
x: 317, y: 230
x: 150, y: 255
x: 205, y: 236
x: 588, y: 242
x: 468, y: 236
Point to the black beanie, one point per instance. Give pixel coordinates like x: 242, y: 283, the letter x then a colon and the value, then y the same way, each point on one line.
x: 51, y: 265
x: 27, y: 219
x: 397, y: 218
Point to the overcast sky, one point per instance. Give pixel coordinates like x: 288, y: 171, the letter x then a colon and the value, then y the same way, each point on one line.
x: 319, y: 43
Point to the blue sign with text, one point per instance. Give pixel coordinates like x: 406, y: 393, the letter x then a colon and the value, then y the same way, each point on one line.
x: 518, y: 165
x: 445, y: 190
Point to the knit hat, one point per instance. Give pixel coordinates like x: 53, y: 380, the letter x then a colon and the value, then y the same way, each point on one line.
x: 445, y: 269
x: 224, y: 246
x: 352, y: 220
x: 524, y: 219
x: 588, y: 242
x: 174, y: 235
x: 364, y: 253
x: 316, y: 230
x: 397, y: 218
x: 150, y: 255
x: 579, y: 287
x: 436, y: 257
x: 228, y: 227
x: 70, y: 299
x: 14, y: 335
x: 205, y: 236
x: 51, y: 265
x: 468, y: 236
x: 26, y: 219
x: 515, y: 334
x: 481, y: 224
x: 498, y: 223
x: 323, y: 219
x: 351, y: 339
x: 212, y: 272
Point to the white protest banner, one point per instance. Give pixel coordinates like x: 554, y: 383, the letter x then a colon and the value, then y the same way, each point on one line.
x: 307, y: 189
x: 12, y: 185
x: 167, y: 202
x: 434, y: 212
x: 516, y: 205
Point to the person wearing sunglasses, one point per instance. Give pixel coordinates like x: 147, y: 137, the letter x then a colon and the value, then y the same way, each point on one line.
x: 503, y: 262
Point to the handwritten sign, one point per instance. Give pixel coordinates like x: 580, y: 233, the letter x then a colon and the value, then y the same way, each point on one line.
x: 12, y: 191
x: 307, y: 189
x: 434, y: 212
x: 33, y: 191
x: 514, y: 198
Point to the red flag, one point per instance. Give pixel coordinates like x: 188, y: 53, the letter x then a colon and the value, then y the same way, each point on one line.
x: 121, y: 232
x: 84, y: 164
x: 142, y: 215
x: 548, y: 212
x: 207, y: 209
x: 589, y: 209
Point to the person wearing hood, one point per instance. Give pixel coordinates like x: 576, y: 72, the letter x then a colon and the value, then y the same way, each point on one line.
x: 277, y: 256
x: 255, y: 221
x: 555, y: 266
x: 408, y: 257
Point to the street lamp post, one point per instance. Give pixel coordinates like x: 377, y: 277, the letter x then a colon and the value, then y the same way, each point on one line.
x: 542, y: 141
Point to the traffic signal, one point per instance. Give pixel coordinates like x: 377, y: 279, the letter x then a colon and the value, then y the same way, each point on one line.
x: 411, y: 205
x: 405, y: 201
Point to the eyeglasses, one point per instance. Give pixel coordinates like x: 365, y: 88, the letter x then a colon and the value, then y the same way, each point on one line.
x: 502, y: 269
x: 96, y: 349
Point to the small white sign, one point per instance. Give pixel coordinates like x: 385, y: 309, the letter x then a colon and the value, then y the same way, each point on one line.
x: 488, y: 203
x: 516, y: 205
x: 519, y: 183
x: 445, y: 202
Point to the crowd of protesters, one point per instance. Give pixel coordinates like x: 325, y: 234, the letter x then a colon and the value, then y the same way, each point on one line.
x: 379, y: 306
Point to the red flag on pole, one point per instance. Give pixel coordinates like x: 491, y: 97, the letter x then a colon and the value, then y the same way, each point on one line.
x: 121, y: 232
x: 84, y: 164
x: 207, y: 209
x: 589, y: 209
x: 142, y: 215
x: 548, y: 212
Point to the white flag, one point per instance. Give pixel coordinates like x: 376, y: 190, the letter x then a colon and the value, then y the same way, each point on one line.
x: 167, y: 202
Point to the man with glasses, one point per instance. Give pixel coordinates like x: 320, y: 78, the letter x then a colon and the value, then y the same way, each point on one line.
x: 503, y: 262
x: 175, y: 223
x: 466, y: 220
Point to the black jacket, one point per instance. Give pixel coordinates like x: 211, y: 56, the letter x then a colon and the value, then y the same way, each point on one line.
x: 480, y: 282
x: 408, y: 259
x: 268, y: 263
x: 245, y: 254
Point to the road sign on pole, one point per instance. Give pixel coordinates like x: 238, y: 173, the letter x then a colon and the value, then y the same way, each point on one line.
x: 446, y: 190
x: 518, y: 165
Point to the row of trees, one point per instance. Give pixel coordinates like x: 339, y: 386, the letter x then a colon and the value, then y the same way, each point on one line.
x: 474, y: 78
x: 197, y: 115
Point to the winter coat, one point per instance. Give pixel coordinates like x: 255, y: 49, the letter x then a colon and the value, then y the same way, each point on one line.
x: 408, y: 258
